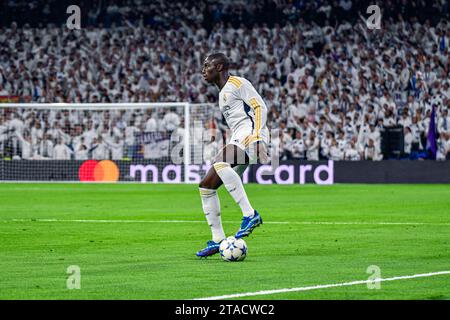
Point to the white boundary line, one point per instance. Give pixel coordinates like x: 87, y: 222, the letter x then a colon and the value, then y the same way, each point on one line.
x: 202, y: 221
x: 267, y: 292
x: 323, y: 286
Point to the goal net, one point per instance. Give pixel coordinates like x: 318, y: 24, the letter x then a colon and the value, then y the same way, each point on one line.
x: 116, y: 142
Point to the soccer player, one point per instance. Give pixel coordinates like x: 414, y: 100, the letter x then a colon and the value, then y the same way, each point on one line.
x: 246, y: 115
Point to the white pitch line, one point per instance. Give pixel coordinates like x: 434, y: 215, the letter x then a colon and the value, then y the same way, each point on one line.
x: 202, y: 221
x: 323, y: 286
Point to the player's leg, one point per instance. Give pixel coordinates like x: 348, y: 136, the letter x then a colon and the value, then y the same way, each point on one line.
x: 231, y: 163
x: 211, y: 208
x: 210, y: 202
x: 234, y: 156
x: 223, y: 166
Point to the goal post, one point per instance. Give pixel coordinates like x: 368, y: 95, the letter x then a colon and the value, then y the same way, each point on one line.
x: 106, y: 142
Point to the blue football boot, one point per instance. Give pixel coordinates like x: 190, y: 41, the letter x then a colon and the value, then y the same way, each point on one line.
x: 248, y: 224
x: 211, y: 248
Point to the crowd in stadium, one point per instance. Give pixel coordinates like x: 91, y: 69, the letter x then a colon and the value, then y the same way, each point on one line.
x: 332, y: 85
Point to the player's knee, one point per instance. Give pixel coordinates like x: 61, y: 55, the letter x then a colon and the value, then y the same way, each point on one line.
x: 203, y: 184
x: 211, y: 180
x: 206, y: 184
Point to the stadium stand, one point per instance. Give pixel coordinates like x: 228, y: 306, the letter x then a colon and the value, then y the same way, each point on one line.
x: 335, y: 89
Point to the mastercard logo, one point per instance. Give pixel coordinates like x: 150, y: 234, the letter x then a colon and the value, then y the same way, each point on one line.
x: 99, y: 171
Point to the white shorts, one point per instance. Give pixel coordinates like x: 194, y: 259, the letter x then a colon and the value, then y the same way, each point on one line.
x: 244, y: 139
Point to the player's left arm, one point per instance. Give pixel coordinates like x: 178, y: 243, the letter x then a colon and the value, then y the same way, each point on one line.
x: 251, y: 97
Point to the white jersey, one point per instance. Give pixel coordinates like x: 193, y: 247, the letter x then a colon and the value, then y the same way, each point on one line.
x: 245, y: 112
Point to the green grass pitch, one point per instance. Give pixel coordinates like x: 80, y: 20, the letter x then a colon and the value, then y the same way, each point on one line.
x: 149, y: 252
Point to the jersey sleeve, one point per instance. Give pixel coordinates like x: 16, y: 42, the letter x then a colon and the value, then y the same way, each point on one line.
x: 251, y: 98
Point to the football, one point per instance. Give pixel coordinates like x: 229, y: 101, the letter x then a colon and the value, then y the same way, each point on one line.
x: 232, y: 249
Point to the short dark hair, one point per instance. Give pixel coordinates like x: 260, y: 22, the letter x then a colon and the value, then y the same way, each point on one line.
x: 220, y: 58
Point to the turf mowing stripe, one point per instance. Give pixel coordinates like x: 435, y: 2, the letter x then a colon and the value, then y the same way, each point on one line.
x: 202, y: 221
x: 323, y: 286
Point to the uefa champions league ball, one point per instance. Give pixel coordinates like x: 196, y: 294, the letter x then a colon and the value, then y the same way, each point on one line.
x: 232, y: 249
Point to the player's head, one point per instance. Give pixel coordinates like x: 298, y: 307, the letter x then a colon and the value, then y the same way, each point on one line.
x: 214, y: 65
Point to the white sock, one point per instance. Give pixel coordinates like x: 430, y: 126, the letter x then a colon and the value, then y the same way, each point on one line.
x: 211, y: 208
x: 233, y: 183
